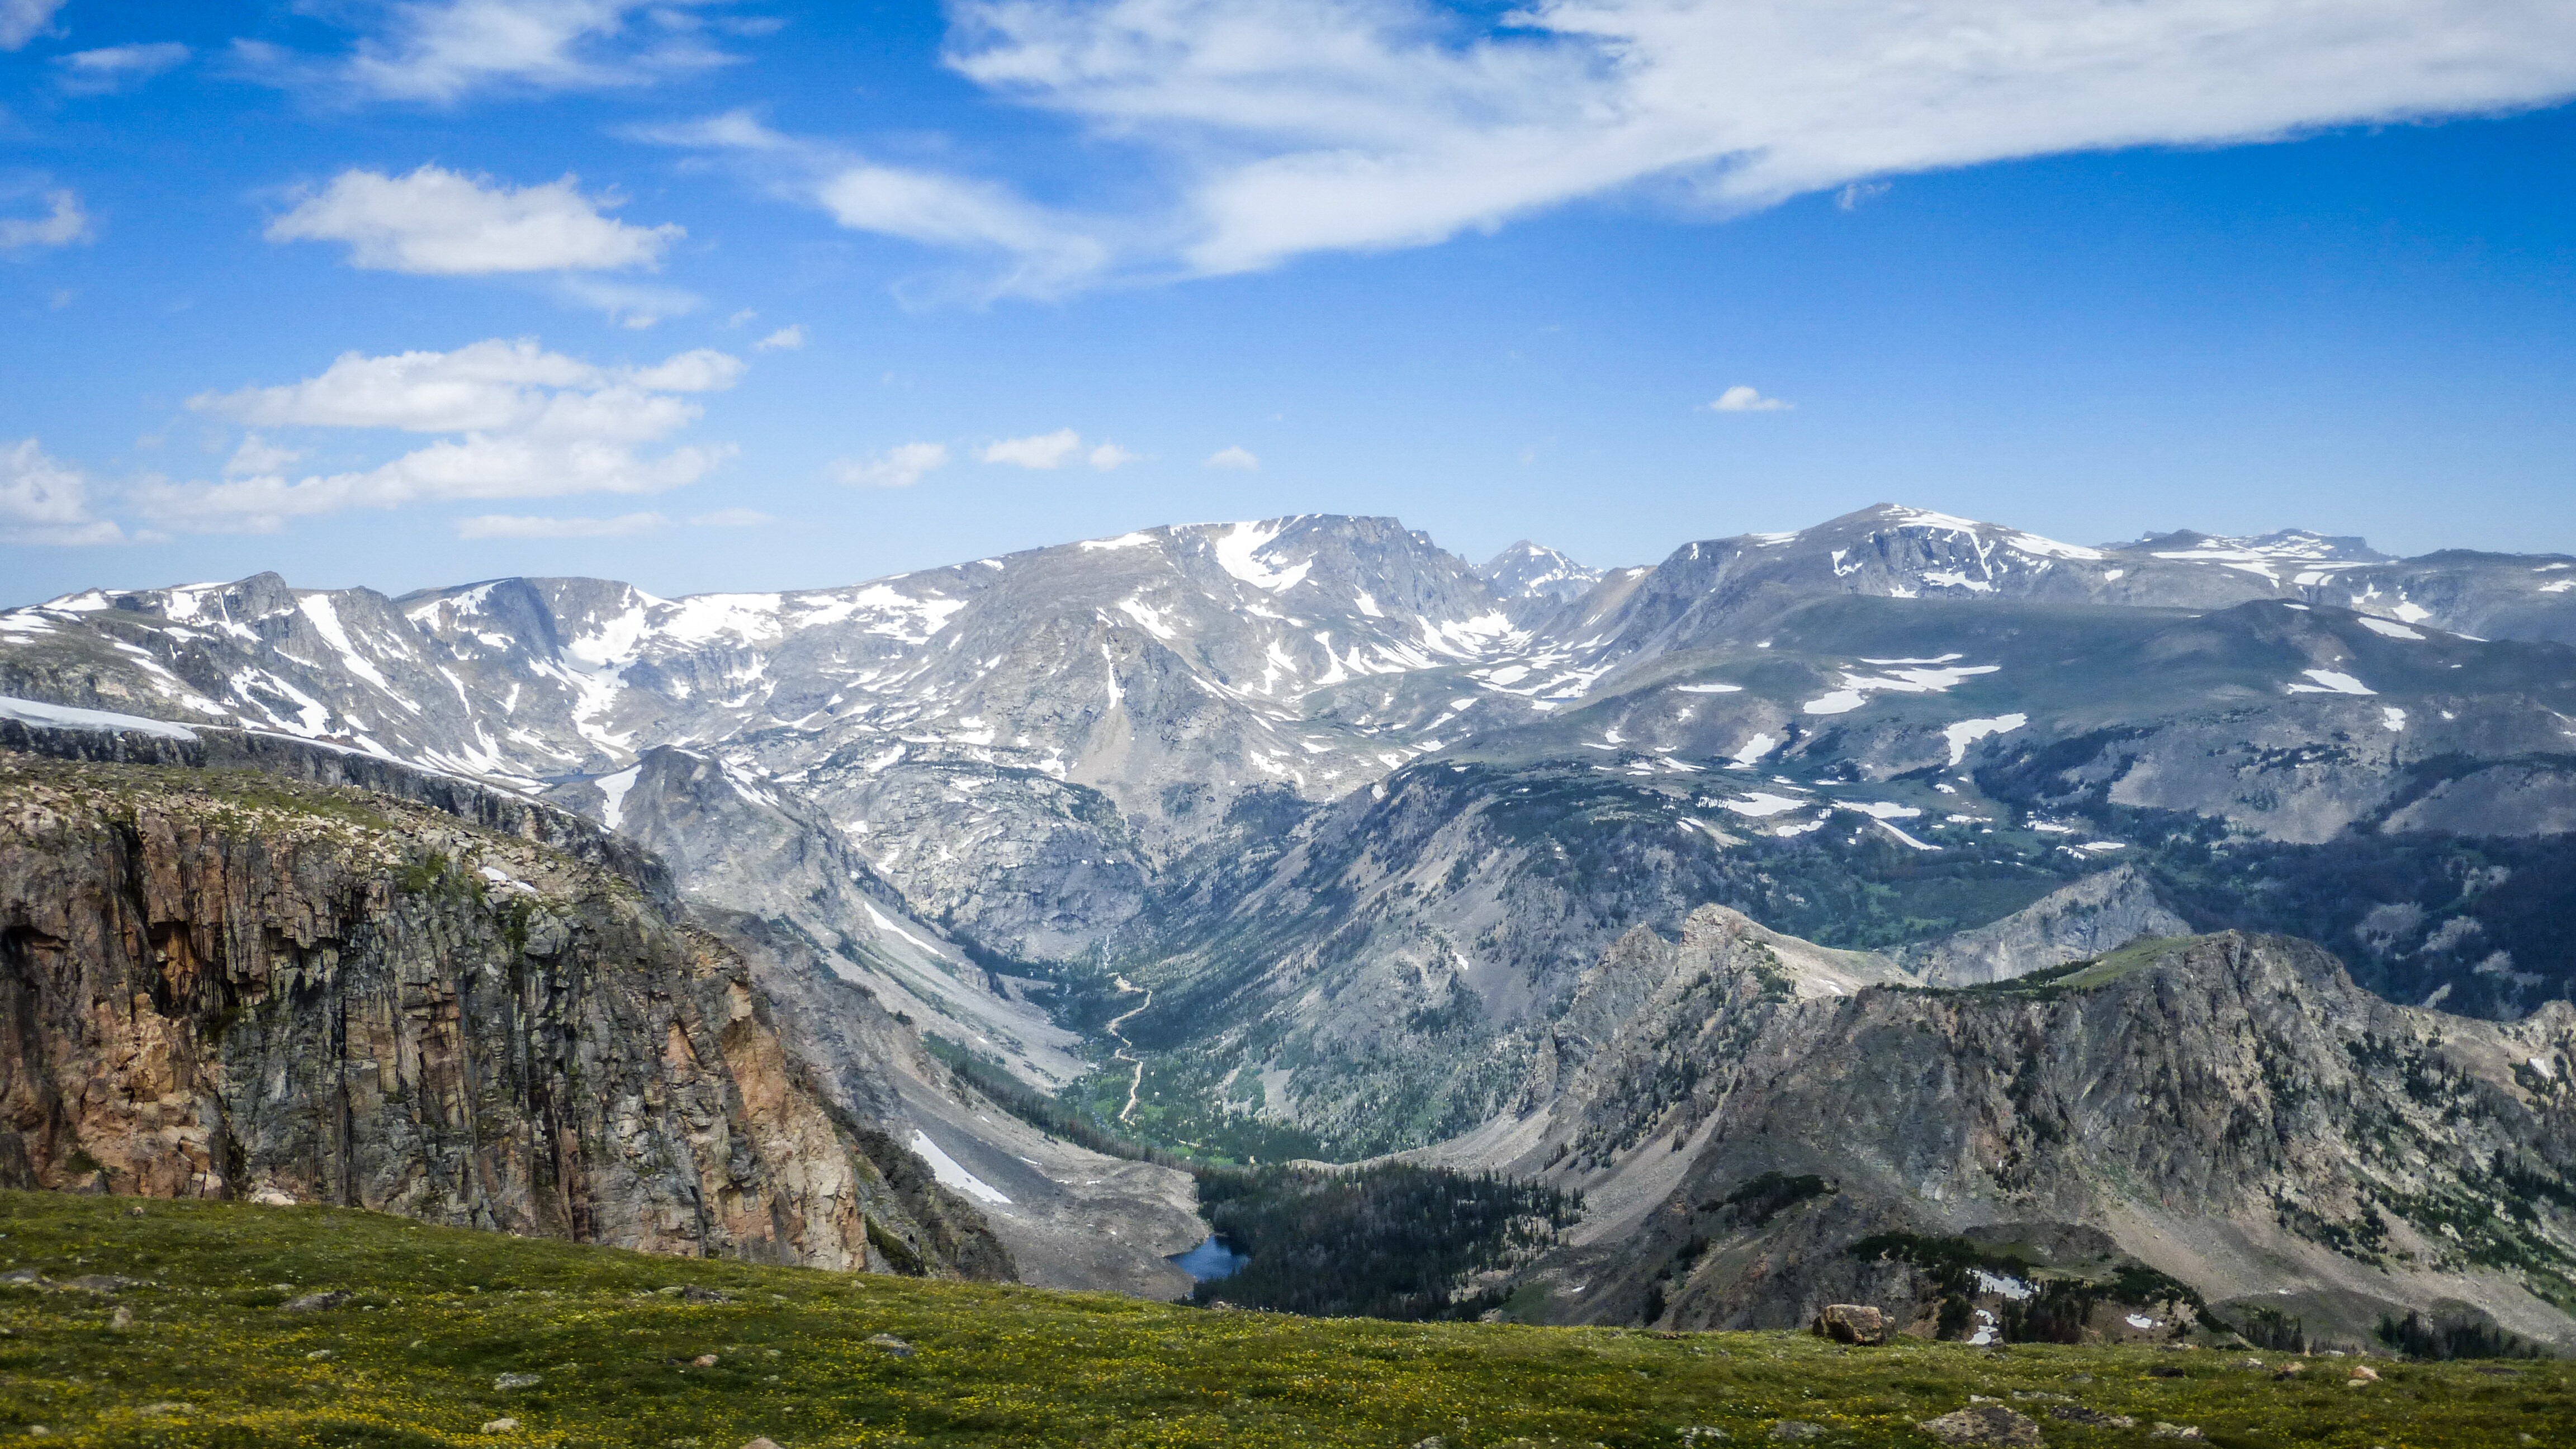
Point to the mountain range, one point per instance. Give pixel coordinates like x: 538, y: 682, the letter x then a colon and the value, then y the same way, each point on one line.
x: 1306, y: 838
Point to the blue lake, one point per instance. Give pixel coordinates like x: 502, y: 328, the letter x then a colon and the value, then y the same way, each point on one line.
x: 1215, y: 1258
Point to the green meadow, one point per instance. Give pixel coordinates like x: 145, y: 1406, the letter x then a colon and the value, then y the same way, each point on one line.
x: 163, y: 1323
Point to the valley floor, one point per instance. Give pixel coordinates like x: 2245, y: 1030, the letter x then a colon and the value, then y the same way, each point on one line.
x: 126, y: 1322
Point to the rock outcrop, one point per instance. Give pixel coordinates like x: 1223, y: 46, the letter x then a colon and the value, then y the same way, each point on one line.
x: 2230, y: 1111
x: 2097, y: 914
x: 226, y: 983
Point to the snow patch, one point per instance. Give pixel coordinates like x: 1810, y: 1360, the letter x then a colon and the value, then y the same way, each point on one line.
x: 2392, y: 630
x: 614, y: 788
x: 1761, y: 805
x: 1709, y: 688
x: 60, y: 716
x: 1968, y: 731
x: 1234, y: 554
x: 950, y: 1175
x: 2329, y: 681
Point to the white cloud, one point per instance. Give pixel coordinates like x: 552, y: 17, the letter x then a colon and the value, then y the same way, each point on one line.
x: 785, y: 339
x: 258, y: 455
x: 1110, y: 455
x: 1041, y: 251
x: 1239, y: 458
x: 523, y: 423
x: 21, y: 20
x: 1047, y: 251
x: 439, y: 50
x: 1046, y: 450
x: 1850, y: 197
x: 44, y: 502
x: 506, y: 525
x: 496, y: 385
x: 1742, y: 399
x: 732, y: 518
x: 113, y: 68
x: 1305, y: 125
x: 436, y: 222
x: 62, y: 225
x: 627, y: 303
x: 898, y: 467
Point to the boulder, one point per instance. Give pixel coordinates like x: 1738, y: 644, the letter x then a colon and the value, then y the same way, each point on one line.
x: 1856, y: 1323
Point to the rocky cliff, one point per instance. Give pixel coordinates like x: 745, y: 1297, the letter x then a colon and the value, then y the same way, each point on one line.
x: 2229, y: 1110
x: 230, y: 983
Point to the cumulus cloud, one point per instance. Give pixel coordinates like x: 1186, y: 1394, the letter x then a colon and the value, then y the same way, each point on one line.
x: 438, y: 222
x: 45, y: 502
x: 1304, y: 125
x: 1238, y: 458
x: 508, y: 525
x: 897, y: 467
x: 22, y: 20
x: 258, y: 455
x: 115, y: 67
x: 442, y: 50
x: 1110, y: 455
x: 1742, y: 399
x: 522, y: 422
x: 1045, y: 450
x: 63, y: 224
x: 785, y: 339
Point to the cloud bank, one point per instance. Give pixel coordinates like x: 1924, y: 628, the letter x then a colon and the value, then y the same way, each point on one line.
x: 1299, y: 126
x: 521, y: 422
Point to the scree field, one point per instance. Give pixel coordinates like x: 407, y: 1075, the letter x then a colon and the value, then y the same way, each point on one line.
x: 611, y: 1348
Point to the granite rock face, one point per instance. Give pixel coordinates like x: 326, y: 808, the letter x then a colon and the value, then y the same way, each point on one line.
x: 2230, y: 1110
x: 228, y: 984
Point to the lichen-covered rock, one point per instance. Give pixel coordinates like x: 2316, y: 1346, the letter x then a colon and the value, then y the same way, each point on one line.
x: 1852, y: 1323
x: 223, y: 984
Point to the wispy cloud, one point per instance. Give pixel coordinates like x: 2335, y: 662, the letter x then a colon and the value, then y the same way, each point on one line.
x: 116, y: 67
x: 1021, y: 248
x: 440, y: 51
x: 1109, y: 455
x: 520, y: 422
x: 508, y: 525
x: 438, y: 222
x: 785, y: 339
x: 1743, y: 399
x: 1236, y: 458
x: 732, y: 518
x: 23, y: 20
x: 1043, y: 451
x: 63, y: 224
x: 1296, y: 126
x: 897, y: 467
x: 46, y: 502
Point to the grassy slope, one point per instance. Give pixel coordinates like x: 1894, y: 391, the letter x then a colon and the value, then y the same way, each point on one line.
x: 438, y: 1313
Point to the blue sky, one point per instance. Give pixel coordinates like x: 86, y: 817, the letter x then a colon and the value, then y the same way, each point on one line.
x: 743, y: 296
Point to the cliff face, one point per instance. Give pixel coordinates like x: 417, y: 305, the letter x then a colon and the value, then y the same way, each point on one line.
x: 226, y: 984
x: 2230, y: 1110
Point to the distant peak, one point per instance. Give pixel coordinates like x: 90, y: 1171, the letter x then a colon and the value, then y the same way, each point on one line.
x: 2296, y: 545
x: 1529, y: 570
